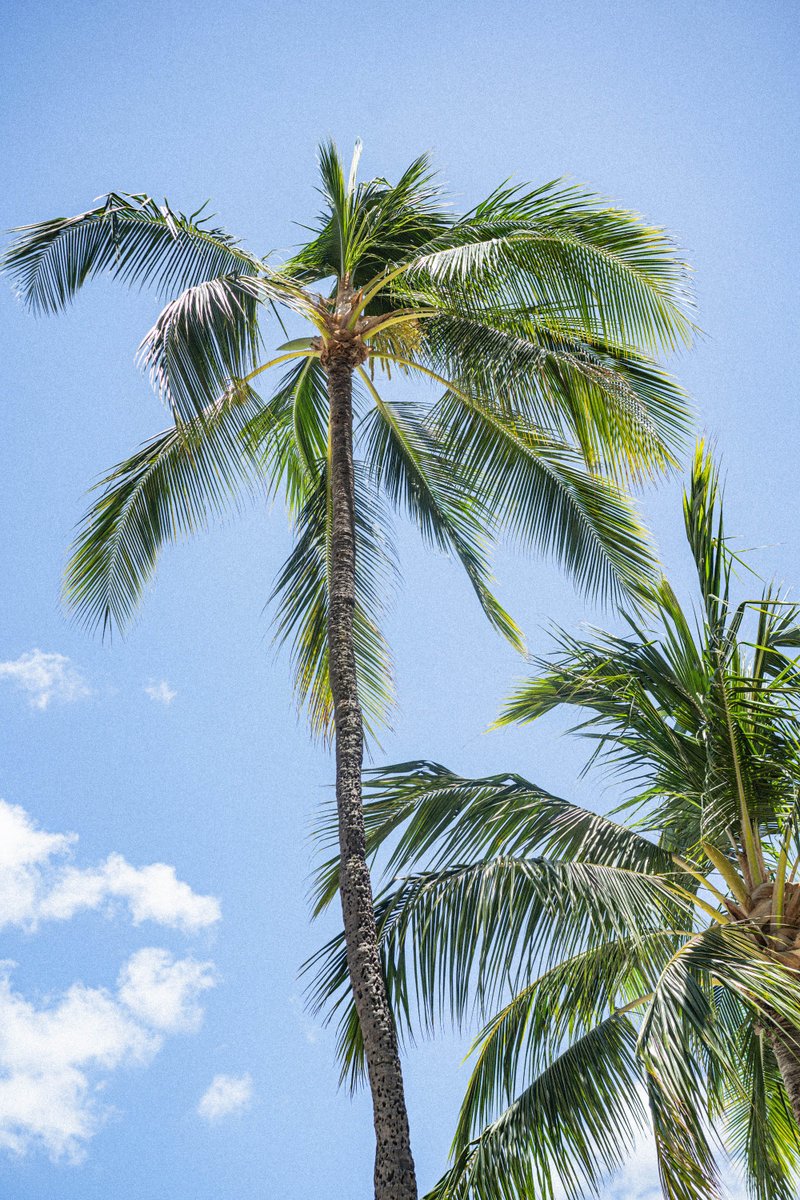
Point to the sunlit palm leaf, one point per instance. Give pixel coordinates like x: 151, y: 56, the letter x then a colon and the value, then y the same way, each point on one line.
x: 167, y: 490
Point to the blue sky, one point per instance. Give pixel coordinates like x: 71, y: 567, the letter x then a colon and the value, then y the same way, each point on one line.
x: 686, y: 112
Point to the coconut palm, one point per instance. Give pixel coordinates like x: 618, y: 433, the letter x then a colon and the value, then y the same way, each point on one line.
x: 634, y: 969
x: 535, y: 315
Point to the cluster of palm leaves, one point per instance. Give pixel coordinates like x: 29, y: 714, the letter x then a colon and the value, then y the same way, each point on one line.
x: 635, y: 970
x: 535, y: 315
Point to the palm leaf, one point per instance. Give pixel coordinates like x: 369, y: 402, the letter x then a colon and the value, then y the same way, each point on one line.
x: 133, y: 238
x: 302, y: 593
x: 167, y: 490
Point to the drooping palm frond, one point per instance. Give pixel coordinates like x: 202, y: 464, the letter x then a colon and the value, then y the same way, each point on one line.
x: 416, y: 472
x: 761, y: 1133
x: 202, y: 341
x: 133, y: 238
x: 627, y: 417
x: 544, y: 499
x: 455, y: 938
x: 302, y: 590
x: 582, y: 1112
x: 167, y: 490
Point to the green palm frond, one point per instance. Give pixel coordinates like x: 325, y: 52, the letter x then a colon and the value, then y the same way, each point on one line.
x: 571, y: 251
x: 543, y: 498
x: 290, y: 436
x: 458, y: 936
x: 687, y: 1166
x: 133, y: 238
x: 302, y: 589
x: 761, y: 1132
x: 167, y: 490
x: 417, y: 475
x: 573, y: 1125
x: 566, y: 1001
x: 452, y: 819
x: 203, y: 341
x: 627, y: 417
x: 367, y: 227
x: 681, y: 1028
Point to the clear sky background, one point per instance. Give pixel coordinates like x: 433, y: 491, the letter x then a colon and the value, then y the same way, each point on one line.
x: 687, y: 112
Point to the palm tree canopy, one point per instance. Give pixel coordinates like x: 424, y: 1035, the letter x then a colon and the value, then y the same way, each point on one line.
x: 536, y: 314
x: 632, y: 969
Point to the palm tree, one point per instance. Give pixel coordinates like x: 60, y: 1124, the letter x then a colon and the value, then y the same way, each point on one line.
x: 643, y: 968
x: 536, y: 315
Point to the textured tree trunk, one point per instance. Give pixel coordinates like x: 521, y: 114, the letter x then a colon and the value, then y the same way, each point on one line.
x: 394, y: 1165
x: 785, y: 1042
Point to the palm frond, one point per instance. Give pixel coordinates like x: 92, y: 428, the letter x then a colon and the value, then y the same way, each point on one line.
x: 302, y: 593
x: 761, y: 1131
x: 133, y: 238
x: 566, y: 1001
x: 568, y: 249
x: 460, y: 935
x: 203, y: 341
x: 449, y: 818
x: 412, y: 467
x: 167, y: 490
x: 543, y: 498
x: 572, y: 1126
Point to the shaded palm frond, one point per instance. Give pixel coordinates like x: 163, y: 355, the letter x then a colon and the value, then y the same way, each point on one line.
x: 302, y: 590
x: 413, y: 468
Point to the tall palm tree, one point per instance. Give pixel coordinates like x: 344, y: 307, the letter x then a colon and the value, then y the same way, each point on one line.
x: 536, y: 315
x: 638, y: 969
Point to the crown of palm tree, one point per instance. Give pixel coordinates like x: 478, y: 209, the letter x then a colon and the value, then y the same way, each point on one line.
x: 638, y: 969
x: 535, y: 315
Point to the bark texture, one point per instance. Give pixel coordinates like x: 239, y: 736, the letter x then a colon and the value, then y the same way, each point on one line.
x: 785, y: 1041
x: 394, y: 1166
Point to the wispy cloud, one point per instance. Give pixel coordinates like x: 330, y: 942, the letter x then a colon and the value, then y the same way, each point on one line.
x: 311, y: 1030
x: 45, y: 677
x: 161, y: 692
x: 35, y: 886
x: 225, y: 1095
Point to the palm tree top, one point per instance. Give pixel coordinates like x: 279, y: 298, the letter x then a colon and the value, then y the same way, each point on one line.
x: 535, y: 316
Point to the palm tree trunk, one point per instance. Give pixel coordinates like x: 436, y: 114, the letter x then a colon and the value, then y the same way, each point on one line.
x: 394, y: 1166
x: 785, y: 1042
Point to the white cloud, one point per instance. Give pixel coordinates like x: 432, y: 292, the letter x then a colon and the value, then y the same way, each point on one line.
x: 163, y: 991
x: 311, y: 1031
x: 638, y: 1179
x: 226, y: 1094
x: 45, y: 677
x: 54, y: 1059
x: 34, y: 887
x: 161, y: 692
x: 57, y: 1055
